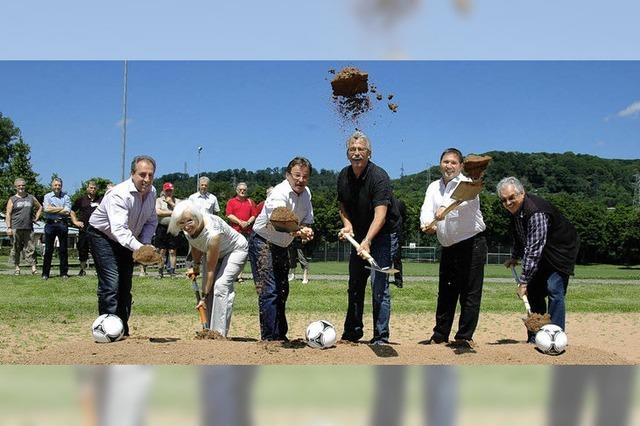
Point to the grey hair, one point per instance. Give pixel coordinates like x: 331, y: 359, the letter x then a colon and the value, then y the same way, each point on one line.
x: 57, y: 179
x: 179, y: 210
x: 18, y: 180
x: 139, y: 158
x: 359, y: 136
x: 203, y: 179
x: 510, y: 181
x: 242, y: 183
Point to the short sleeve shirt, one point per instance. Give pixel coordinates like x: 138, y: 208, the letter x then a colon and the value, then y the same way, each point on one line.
x: 361, y: 195
x: 84, y: 206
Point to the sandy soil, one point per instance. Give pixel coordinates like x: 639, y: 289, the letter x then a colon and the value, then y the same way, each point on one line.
x: 604, y: 339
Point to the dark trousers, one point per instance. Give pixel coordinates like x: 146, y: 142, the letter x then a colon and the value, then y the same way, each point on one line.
x: 51, y: 231
x: 396, y: 257
x: 83, y: 245
x: 270, y: 267
x: 114, y: 266
x: 358, y: 274
x: 461, y: 277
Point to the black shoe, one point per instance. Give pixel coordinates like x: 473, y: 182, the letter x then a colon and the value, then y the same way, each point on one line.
x: 45, y: 277
x: 351, y: 337
x: 82, y: 273
x: 378, y: 342
x: 436, y: 339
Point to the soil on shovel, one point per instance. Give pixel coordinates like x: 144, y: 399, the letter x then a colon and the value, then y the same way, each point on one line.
x: 534, y: 322
x: 283, y: 214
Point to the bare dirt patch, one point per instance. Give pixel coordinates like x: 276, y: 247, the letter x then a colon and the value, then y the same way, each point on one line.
x: 603, y: 339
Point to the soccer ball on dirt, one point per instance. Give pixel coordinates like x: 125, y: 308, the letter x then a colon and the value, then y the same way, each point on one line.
x: 551, y: 340
x: 321, y: 334
x: 107, y: 328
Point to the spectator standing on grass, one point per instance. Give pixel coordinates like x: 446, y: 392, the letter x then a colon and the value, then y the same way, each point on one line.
x: 124, y: 222
x: 57, y: 208
x: 241, y: 210
x: 84, y: 205
x: 397, y: 240
x: 23, y: 210
x: 268, y: 248
x: 464, y: 252
x: 166, y: 242
x: 296, y: 255
x: 204, y: 199
x: 364, y: 193
x: 548, y: 245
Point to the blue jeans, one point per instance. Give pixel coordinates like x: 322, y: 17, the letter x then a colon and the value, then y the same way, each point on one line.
x: 553, y: 285
x: 270, y: 267
x: 51, y: 231
x: 114, y: 266
x: 358, y: 274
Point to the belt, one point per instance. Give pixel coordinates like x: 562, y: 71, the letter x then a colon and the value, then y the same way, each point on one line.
x: 50, y: 221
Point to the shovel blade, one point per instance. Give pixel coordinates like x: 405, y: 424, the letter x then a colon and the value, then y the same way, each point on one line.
x: 388, y: 271
x: 466, y: 191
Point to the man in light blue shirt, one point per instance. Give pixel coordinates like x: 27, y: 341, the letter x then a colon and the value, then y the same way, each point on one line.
x: 57, y: 208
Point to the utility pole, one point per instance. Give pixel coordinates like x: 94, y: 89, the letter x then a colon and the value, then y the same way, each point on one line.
x: 198, y: 176
x: 124, y: 121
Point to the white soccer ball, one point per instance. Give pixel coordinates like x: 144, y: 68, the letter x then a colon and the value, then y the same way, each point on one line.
x: 107, y: 328
x: 321, y: 334
x: 551, y: 340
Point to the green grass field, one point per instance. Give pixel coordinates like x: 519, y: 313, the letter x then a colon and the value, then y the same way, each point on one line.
x: 28, y: 298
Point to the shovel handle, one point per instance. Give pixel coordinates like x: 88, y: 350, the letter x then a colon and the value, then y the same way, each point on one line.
x: 366, y: 254
x: 202, y: 313
x: 446, y: 211
x: 525, y: 299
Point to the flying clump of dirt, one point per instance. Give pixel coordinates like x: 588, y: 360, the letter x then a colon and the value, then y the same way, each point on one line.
x: 351, y: 90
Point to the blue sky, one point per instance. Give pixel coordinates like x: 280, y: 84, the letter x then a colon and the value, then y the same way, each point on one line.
x: 329, y: 29
x: 253, y: 114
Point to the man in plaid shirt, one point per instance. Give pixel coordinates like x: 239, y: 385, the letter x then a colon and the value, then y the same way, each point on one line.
x: 548, y: 245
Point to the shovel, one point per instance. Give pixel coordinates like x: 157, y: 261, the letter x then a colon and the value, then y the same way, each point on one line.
x: 465, y: 191
x: 374, y: 265
x: 201, y: 311
x: 533, y: 322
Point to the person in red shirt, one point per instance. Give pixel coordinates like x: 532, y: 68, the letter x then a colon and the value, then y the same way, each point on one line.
x: 261, y: 203
x: 241, y: 210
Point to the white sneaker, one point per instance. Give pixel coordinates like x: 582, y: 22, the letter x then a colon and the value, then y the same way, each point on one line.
x: 292, y: 276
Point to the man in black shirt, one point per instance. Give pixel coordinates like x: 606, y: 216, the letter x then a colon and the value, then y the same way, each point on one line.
x: 84, y: 205
x: 364, y: 193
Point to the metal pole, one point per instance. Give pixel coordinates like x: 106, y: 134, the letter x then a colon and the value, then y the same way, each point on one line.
x: 198, y: 178
x: 124, y: 120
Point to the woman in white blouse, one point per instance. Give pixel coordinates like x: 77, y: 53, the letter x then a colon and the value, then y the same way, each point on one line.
x: 225, y: 254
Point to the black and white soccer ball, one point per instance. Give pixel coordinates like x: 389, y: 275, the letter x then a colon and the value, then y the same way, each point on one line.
x: 107, y: 328
x: 551, y: 340
x: 321, y: 334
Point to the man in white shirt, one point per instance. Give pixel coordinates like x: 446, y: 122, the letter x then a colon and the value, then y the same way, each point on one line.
x: 464, y: 252
x: 268, y: 248
x: 124, y: 222
x: 204, y: 199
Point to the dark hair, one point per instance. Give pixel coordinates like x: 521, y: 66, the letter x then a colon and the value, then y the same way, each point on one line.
x: 452, y: 151
x: 299, y: 161
x: 139, y: 158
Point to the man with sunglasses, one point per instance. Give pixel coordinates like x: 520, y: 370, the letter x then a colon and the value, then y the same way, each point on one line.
x: 547, y: 244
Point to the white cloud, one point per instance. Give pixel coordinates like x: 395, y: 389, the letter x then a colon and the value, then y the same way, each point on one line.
x: 630, y: 111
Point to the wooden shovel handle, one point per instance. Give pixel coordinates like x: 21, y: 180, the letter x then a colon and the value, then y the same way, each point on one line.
x: 446, y: 211
x: 354, y: 243
x: 202, y: 313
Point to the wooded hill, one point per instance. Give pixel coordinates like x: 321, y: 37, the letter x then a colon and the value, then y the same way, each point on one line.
x: 596, y: 194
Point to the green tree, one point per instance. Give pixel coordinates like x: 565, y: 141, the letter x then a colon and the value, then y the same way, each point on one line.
x: 15, y: 162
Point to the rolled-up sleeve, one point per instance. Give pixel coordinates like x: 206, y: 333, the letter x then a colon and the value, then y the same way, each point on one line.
x: 427, y: 212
